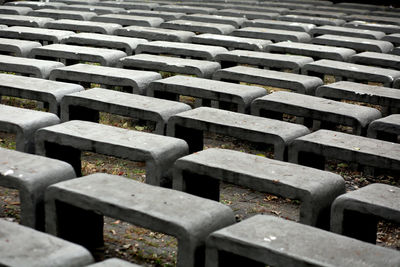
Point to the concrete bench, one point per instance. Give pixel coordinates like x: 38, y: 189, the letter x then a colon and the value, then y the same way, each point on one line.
x: 77, y: 2
x: 259, y: 8
x: 199, y: 68
x: 299, y: 83
x: 274, y: 35
x: 186, y: 9
x: 317, y: 13
x: 62, y: 14
x: 248, y: 14
x: 24, y: 123
x: 197, y: 26
x: 189, y: 125
x: 335, y: 8
x: 31, y: 175
x: 131, y: 81
x: 356, y: 213
x: 312, y: 50
x: 166, y: 16
x: 279, y: 25
x: 319, y: 21
x: 386, y: 13
x: 234, y: 21
x: 98, y: 9
x: 195, y: 51
x: 65, y: 141
x: 374, y: 19
x: 394, y: 38
x: 231, y: 42
x: 86, y: 105
x: 14, y: 10
x: 83, y: 26
x: 360, y: 6
x: 377, y: 59
x: 130, y: 5
x: 330, y: 113
x: 262, y: 59
x: 44, y: 36
x: 358, y: 44
x: 72, y: 54
x: 311, y: 150
x: 35, y: 4
x: 125, y: 44
x: 351, y: 71
x: 23, y: 246
x: 343, y: 31
x: 28, y: 66
x: 28, y: 21
x: 286, y: 5
x: 386, y: 28
x: 46, y: 91
x: 264, y: 239
x: 114, y: 262
x: 129, y: 20
x: 200, y: 174
x: 388, y: 98
x: 188, y: 218
x: 155, y: 34
x: 387, y: 128
x: 19, y: 48
x: 225, y: 94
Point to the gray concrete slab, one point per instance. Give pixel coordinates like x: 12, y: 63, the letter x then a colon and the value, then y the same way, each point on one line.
x: 186, y: 9
x: 20, y: 20
x: 319, y: 21
x: 195, y: 51
x: 77, y: 2
x: 155, y: 34
x: 131, y: 4
x: 314, y: 188
x: 62, y: 14
x: 234, y: 21
x: 225, y: 94
x: 231, y: 42
x: 312, y: 50
x: 377, y: 59
x: 335, y: 8
x: 263, y: 239
x: 247, y: 14
x: 258, y: 8
x: 188, y: 218
x: 315, y: 108
x: 374, y: 19
x: 24, y: 123
x: 311, y: 150
x: 125, y: 44
x: 98, y: 9
x: 263, y: 59
x: 17, y: 243
x: 14, y: 10
x: 129, y: 20
x: 166, y: 16
x: 343, y: 31
x: 134, y: 106
x: 388, y: 98
x: 360, y: 24
x: 44, y: 36
x: 358, y: 44
x: 189, y: 125
x: 35, y: 4
x: 299, y: 83
x: 286, y: 4
x: 317, y: 13
x: 351, y: 71
x: 272, y: 34
x: 197, y: 26
x: 371, y: 203
x: 387, y: 128
x: 83, y: 26
x: 19, y: 48
x: 72, y: 54
x: 131, y: 81
x: 31, y: 175
x: 46, y: 91
x: 362, y: 6
x: 279, y: 25
x: 394, y: 38
x: 28, y: 66
x: 199, y: 68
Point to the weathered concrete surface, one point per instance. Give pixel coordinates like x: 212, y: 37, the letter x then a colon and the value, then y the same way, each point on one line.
x: 387, y: 128
x: 200, y: 173
x: 35, y: 34
x: 166, y: 16
x: 264, y: 239
x: 14, y: 10
x: 279, y: 25
x: 114, y: 262
x: 234, y: 21
x: 83, y: 26
x: 343, y: 31
x: 186, y: 9
x: 197, y: 26
x: 272, y: 34
x: 23, y: 246
x: 189, y: 218
x: 231, y: 42
x: 28, y: 21
x: 386, y: 28
x: 19, y: 48
x: 319, y: 21
x: 62, y: 14
x: 155, y: 34
x: 377, y: 59
x: 129, y: 20
x: 31, y: 175
x: 248, y: 14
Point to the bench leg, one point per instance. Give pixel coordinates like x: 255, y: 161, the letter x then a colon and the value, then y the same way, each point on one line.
x: 311, y: 160
x: 360, y: 226
x: 65, y: 153
x: 193, y: 137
